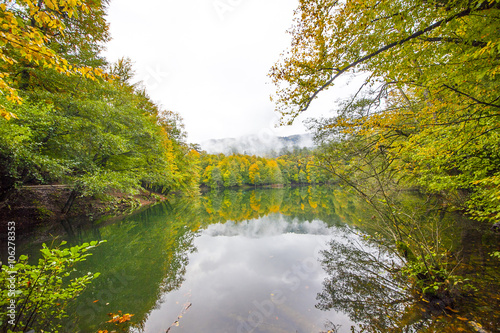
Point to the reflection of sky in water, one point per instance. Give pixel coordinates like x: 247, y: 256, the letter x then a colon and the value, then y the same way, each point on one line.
x: 272, y: 225
x: 254, y: 276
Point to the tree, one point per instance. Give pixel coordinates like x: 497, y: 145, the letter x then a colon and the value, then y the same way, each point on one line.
x: 254, y: 174
x: 107, y: 136
x: 275, y: 173
x: 331, y: 38
x: 43, y: 291
x: 39, y: 34
x: 432, y: 87
x: 230, y: 179
x: 21, y: 157
x: 216, y: 179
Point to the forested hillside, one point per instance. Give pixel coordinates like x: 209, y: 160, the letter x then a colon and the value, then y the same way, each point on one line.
x: 70, y: 117
x: 294, y: 167
x: 262, y: 145
x: 403, y: 237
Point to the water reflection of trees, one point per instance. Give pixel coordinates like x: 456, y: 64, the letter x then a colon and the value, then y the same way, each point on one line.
x: 145, y: 257
x: 330, y: 204
x: 363, y: 282
x: 147, y: 253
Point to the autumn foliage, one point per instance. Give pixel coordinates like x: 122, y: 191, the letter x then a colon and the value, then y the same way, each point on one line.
x: 427, y: 112
x: 218, y: 171
x: 30, y: 33
x: 70, y: 117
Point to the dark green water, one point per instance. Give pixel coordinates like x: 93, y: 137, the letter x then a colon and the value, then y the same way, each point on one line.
x: 281, y: 260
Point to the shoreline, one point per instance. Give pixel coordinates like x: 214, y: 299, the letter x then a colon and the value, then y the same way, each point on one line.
x: 41, y: 207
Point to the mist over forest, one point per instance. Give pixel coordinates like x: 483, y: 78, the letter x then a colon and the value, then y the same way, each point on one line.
x: 261, y: 145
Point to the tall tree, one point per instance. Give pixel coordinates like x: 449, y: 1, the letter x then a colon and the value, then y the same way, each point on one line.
x: 58, y: 34
x: 432, y: 84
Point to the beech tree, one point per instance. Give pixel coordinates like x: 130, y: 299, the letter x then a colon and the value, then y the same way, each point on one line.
x: 238, y: 170
x: 73, y: 127
x: 48, y: 34
x: 432, y: 84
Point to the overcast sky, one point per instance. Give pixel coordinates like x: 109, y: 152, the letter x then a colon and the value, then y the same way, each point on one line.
x: 208, y: 60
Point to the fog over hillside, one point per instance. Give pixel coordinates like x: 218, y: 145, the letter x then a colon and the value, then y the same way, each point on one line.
x: 257, y: 145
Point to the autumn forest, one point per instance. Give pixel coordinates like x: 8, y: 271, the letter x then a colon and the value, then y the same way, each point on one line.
x: 423, y: 124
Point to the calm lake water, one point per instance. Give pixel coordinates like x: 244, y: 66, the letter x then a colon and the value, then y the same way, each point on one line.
x: 280, y: 260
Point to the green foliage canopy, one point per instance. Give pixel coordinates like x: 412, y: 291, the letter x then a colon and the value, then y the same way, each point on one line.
x: 432, y: 88
x: 93, y: 134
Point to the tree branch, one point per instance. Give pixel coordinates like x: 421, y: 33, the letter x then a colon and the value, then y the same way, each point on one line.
x: 470, y: 97
x: 383, y: 49
x: 474, y: 43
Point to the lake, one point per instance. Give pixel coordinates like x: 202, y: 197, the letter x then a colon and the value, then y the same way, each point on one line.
x: 268, y: 260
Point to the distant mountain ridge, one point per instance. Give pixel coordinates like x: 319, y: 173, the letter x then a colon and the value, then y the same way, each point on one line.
x: 262, y: 145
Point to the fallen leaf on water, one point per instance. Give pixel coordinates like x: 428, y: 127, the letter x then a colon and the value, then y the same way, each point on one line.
x: 119, y: 319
